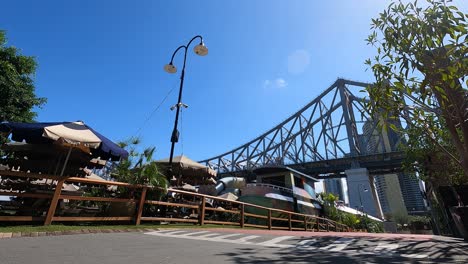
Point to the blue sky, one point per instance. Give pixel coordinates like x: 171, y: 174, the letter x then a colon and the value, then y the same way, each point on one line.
x: 102, y: 62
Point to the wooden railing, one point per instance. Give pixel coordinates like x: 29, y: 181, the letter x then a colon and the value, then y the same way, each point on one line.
x: 234, y: 212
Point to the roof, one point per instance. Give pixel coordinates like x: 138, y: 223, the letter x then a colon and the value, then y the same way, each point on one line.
x: 279, y: 168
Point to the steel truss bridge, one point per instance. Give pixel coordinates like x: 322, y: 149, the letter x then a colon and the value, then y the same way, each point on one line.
x: 332, y: 133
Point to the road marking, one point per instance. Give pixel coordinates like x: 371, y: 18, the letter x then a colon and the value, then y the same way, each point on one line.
x: 386, y: 248
x: 174, y: 232
x: 414, y: 255
x: 273, y: 242
x: 225, y: 236
x: 244, y: 239
x: 209, y: 235
x: 196, y: 233
x: 338, y: 244
x: 306, y: 244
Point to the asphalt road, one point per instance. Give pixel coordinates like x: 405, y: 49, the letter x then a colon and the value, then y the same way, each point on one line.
x: 229, y: 246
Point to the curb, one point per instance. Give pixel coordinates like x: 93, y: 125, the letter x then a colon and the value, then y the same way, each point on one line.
x: 72, y: 232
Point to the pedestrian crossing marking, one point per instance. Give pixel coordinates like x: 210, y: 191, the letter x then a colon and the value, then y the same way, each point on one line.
x: 227, y: 236
x: 196, y: 233
x: 338, y: 244
x: 210, y: 235
x: 174, y: 232
x: 244, y: 239
x: 274, y: 242
x: 383, y: 248
x: 386, y: 248
x: 306, y: 244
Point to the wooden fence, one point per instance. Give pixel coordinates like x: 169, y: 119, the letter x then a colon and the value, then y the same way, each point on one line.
x: 234, y: 213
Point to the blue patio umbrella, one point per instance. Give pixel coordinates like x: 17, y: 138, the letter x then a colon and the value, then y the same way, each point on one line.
x: 74, y: 134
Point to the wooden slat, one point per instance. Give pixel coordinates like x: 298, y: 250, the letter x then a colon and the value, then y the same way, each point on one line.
x: 297, y: 221
x: 103, y: 182
x: 269, y: 219
x: 86, y: 219
x: 221, y: 222
x: 141, y: 204
x: 258, y: 226
x: 279, y: 219
x: 201, y: 212
x: 53, y: 202
x: 172, y: 204
x: 162, y: 219
x: 222, y: 210
x: 297, y: 228
x: 29, y: 195
x: 21, y: 218
x: 242, y: 216
x: 22, y: 174
x: 97, y: 199
x: 257, y: 216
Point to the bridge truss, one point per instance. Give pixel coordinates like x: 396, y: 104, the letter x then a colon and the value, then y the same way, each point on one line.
x: 334, y: 125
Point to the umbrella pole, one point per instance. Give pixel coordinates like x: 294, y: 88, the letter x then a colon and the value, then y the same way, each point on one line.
x: 66, y: 161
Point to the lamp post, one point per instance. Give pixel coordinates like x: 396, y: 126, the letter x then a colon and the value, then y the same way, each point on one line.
x: 360, y: 198
x: 360, y: 201
x: 201, y: 50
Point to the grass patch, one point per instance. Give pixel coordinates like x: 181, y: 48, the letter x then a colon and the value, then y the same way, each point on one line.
x: 61, y: 227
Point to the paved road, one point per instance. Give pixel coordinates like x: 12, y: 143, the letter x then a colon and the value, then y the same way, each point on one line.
x: 230, y: 246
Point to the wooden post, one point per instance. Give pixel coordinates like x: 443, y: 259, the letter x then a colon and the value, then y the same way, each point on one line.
x: 242, y: 216
x: 201, y: 212
x: 328, y: 226
x: 289, y: 221
x: 269, y: 219
x: 53, y: 202
x: 305, y: 222
x: 141, y: 204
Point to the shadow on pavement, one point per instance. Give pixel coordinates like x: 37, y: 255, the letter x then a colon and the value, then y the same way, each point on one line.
x: 359, y: 252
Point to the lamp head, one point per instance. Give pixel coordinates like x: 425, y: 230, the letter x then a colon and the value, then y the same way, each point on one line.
x: 170, y: 68
x: 201, y: 49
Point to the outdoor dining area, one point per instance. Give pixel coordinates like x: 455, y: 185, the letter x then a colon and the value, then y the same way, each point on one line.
x: 40, y: 157
x: 54, y: 150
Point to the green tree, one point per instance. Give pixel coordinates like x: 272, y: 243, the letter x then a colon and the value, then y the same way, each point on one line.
x: 421, y: 71
x: 139, y: 168
x: 329, y: 206
x: 17, y: 92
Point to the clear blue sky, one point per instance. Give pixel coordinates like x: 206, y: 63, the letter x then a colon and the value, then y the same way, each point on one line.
x: 102, y: 62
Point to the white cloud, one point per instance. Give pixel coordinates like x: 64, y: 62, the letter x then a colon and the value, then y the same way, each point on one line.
x: 275, y: 84
x: 280, y: 83
x: 298, y: 61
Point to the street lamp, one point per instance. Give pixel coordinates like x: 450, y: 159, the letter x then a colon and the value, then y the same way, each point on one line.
x: 360, y: 201
x: 200, y: 50
x: 359, y: 192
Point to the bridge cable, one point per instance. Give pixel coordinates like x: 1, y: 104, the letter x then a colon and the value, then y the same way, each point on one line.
x: 137, y: 133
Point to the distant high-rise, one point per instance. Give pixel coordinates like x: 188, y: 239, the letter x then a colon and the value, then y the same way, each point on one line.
x: 412, y: 194
x: 398, y: 193
x: 334, y: 186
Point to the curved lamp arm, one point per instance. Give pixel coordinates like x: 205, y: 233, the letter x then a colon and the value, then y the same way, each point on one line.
x: 186, y: 47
